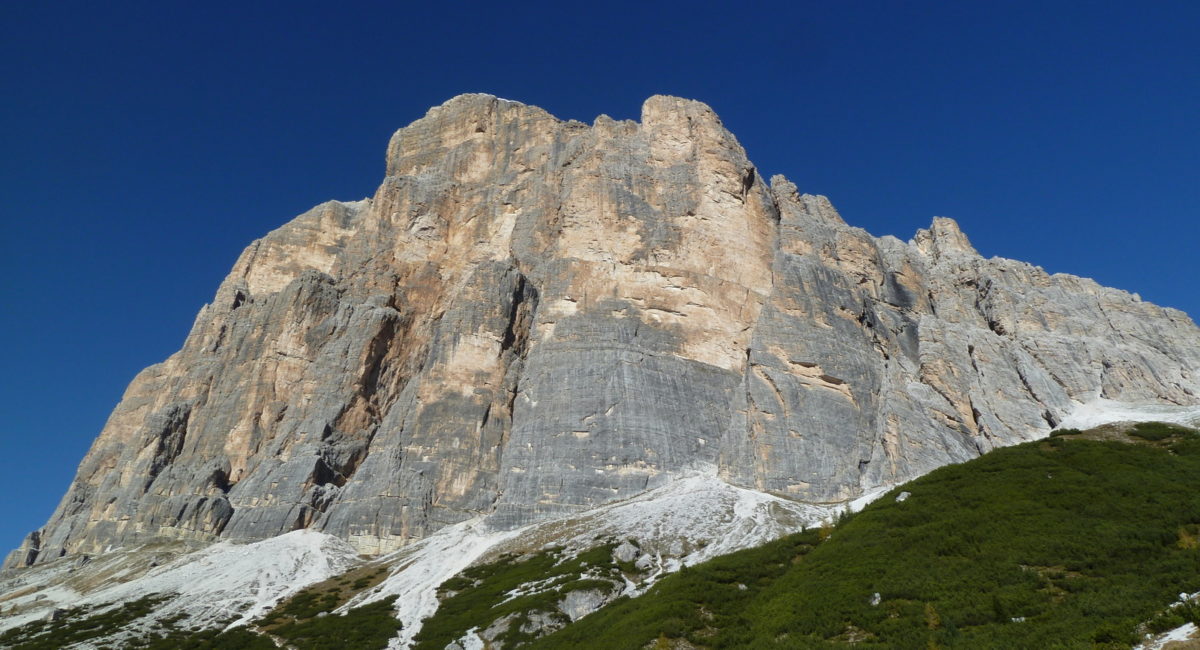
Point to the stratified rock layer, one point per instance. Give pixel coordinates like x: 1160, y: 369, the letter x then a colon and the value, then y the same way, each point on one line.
x: 532, y: 316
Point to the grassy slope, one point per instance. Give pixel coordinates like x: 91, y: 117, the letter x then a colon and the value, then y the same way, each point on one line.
x: 297, y: 623
x: 1082, y: 539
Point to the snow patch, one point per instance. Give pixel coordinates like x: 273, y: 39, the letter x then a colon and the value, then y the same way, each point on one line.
x: 426, y: 564
x: 690, y: 520
x: 866, y: 499
x: 248, y: 580
x: 701, y: 515
x: 1182, y: 633
x: 1101, y: 411
x: 242, y: 580
x: 224, y: 581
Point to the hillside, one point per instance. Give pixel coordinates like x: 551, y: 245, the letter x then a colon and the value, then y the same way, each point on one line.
x: 1085, y: 539
x: 1075, y: 541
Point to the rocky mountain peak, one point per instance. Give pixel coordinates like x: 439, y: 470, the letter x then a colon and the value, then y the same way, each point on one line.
x: 942, y: 238
x: 532, y: 317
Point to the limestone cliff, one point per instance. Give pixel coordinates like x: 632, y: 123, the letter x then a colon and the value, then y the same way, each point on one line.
x: 534, y: 316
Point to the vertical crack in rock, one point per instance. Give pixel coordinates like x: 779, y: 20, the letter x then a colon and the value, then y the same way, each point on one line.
x: 514, y: 350
x: 520, y: 316
x: 169, y: 430
x: 514, y: 347
x: 748, y: 179
x: 1051, y: 421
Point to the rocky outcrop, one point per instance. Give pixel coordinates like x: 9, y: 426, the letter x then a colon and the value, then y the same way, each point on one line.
x: 534, y: 316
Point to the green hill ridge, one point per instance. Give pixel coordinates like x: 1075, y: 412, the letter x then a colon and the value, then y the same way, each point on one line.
x: 1083, y: 540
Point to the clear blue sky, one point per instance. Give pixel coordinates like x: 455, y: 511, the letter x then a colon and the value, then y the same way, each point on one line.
x: 145, y: 144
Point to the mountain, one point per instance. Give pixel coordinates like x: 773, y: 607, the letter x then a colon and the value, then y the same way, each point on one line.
x: 535, y: 319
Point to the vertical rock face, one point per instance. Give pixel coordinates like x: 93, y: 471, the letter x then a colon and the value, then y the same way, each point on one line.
x: 532, y: 316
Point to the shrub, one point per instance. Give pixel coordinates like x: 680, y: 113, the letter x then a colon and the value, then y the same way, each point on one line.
x: 1155, y: 431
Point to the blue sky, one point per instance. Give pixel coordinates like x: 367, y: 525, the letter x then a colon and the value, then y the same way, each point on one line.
x: 145, y: 144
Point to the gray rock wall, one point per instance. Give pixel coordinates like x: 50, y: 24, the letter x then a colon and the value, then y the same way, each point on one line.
x: 532, y: 317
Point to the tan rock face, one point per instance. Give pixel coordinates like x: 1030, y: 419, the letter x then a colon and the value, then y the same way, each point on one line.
x: 533, y: 316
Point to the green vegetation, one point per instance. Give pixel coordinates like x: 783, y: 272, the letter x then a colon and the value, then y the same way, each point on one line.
x: 76, y: 625
x: 1064, y: 543
x: 325, y: 596
x: 369, y: 626
x: 308, y: 627
x: 1175, y: 616
x: 480, y: 595
x: 1065, y: 432
x: 303, y: 622
x: 695, y: 603
x: 1154, y: 431
x: 236, y: 639
x: 304, y: 605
